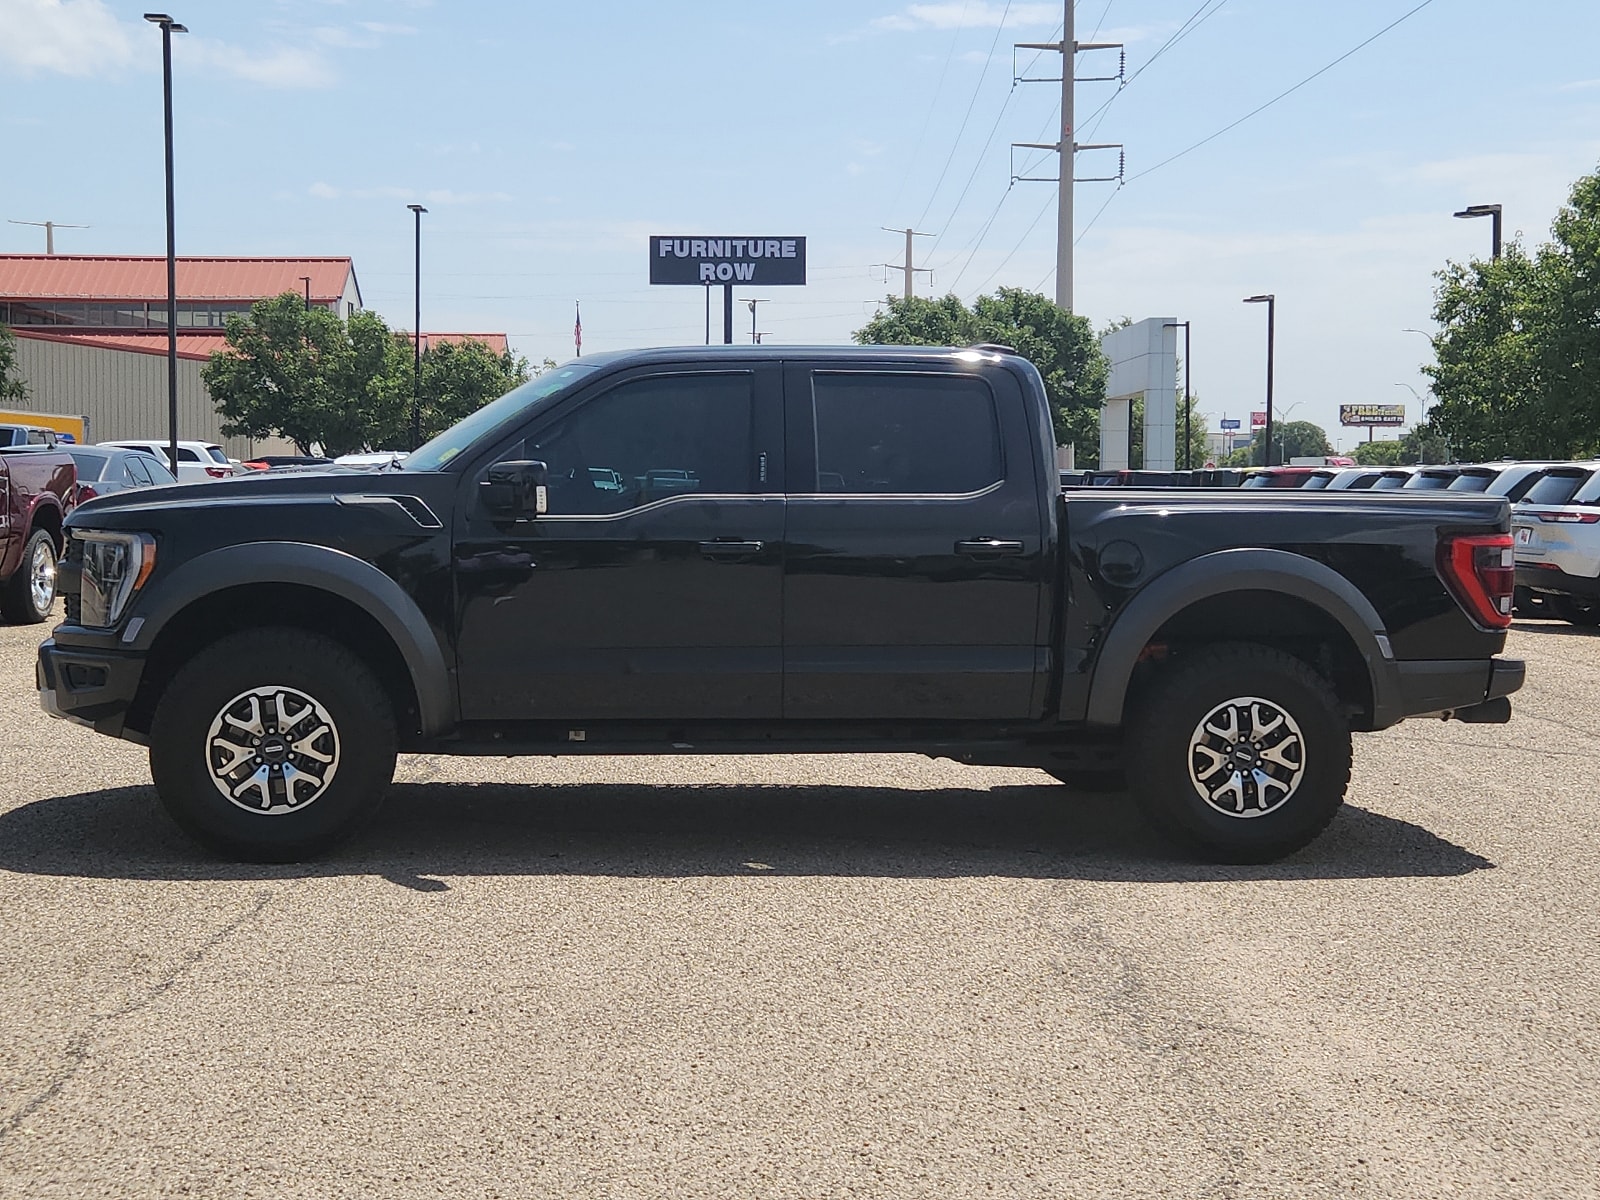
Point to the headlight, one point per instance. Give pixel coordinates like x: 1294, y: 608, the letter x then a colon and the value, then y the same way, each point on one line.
x: 115, y: 566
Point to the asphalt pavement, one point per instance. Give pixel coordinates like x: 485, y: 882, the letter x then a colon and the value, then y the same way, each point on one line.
x: 808, y: 976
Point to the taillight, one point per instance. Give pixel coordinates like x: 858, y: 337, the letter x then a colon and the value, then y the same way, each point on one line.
x: 1481, y: 572
x: 218, y: 472
x: 86, y: 492
x: 1569, y: 518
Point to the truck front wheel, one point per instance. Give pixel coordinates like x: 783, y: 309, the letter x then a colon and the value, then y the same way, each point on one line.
x: 31, y: 591
x: 273, y: 745
x: 1240, y: 752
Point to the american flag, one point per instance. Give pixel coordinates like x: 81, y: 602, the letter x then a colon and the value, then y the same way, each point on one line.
x: 577, y: 327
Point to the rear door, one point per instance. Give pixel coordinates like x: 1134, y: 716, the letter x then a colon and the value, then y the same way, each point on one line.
x: 914, y: 562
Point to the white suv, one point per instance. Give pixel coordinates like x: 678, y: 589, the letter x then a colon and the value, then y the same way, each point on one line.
x: 197, y: 461
x: 1555, y: 532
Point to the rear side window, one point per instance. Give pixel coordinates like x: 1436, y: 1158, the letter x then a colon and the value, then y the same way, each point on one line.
x: 134, y: 466
x: 156, y: 468
x: 905, y: 434
x: 217, y: 455
x: 90, y: 466
x: 1388, y: 483
x: 1475, y: 481
x: 187, y: 455
x: 1557, y: 487
x: 1422, y: 482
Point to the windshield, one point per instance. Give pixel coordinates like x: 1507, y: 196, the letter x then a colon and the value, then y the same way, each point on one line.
x: 441, y: 450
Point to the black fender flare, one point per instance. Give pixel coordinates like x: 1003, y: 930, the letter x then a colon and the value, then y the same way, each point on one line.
x: 324, y: 569
x: 1242, y: 570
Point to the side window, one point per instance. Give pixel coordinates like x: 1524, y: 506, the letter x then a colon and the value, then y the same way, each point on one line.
x: 187, y: 455
x: 904, y: 434
x: 646, y: 441
x: 133, y: 468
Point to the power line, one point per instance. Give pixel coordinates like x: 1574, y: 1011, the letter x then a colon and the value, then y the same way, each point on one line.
x: 1281, y: 95
x: 982, y: 75
x: 1196, y: 19
x: 1026, y: 234
x: 938, y: 88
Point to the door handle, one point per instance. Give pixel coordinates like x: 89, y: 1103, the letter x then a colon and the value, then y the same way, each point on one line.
x: 988, y: 548
x: 730, y: 549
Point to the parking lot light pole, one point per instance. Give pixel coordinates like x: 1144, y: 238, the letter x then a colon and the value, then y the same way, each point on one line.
x: 168, y: 28
x: 416, y: 340
x: 1271, y: 301
x: 1485, y: 210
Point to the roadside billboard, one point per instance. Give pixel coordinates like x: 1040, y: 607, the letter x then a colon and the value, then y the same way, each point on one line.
x: 756, y: 261
x: 1372, y: 414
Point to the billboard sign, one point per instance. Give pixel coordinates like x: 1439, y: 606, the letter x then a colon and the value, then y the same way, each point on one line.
x: 758, y: 262
x: 1258, y: 420
x: 1372, y: 414
x: 1229, y: 423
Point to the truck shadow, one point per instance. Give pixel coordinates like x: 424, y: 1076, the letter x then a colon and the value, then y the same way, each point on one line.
x: 445, y: 829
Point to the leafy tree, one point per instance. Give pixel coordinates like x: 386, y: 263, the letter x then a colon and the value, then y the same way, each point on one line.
x: 1425, y: 444
x: 1518, y: 362
x: 13, y: 388
x: 1377, y: 454
x: 304, y: 374
x: 1290, y: 439
x: 1060, y: 344
x: 457, y: 379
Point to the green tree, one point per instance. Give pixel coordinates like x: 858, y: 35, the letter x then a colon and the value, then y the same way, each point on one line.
x: 13, y: 388
x: 1060, y: 344
x: 1425, y: 444
x: 1518, y: 361
x: 1290, y: 439
x: 457, y: 379
x: 1377, y: 454
x: 305, y: 375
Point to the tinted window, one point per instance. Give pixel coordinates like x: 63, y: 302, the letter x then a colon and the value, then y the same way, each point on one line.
x: 646, y: 441
x: 1388, y: 483
x: 1473, y: 481
x: 187, y: 455
x: 904, y: 434
x: 1557, y: 487
x: 1316, y: 482
x: 1428, y: 483
x: 134, y: 466
x: 90, y: 465
x: 157, y: 470
x: 217, y: 455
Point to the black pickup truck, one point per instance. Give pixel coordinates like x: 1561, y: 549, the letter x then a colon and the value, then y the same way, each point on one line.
x: 771, y: 550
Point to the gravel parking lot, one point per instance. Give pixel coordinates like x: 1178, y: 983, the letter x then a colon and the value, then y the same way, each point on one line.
x: 810, y: 977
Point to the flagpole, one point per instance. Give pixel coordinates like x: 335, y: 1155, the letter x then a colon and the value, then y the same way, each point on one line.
x: 577, y: 328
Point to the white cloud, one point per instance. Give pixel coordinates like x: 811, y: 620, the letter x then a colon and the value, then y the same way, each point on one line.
x: 955, y: 15
x: 280, y: 67
x: 442, y: 197
x: 1579, y: 85
x: 74, y: 37
x: 383, y: 28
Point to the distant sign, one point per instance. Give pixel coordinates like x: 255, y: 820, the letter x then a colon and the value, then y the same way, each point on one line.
x: 758, y: 262
x: 1229, y: 422
x: 1258, y: 420
x: 1372, y: 414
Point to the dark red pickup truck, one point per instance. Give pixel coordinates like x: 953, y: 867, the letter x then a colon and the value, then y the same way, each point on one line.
x: 37, y: 491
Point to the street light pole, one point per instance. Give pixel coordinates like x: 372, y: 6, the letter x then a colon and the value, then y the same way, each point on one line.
x: 306, y: 279
x: 1271, y: 301
x: 168, y: 28
x: 416, y: 339
x: 1485, y: 210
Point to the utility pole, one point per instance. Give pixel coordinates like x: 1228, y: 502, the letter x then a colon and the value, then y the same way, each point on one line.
x: 1067, y: 146
x: 755, y: 338
x: 50, y: 228
x: 906, y: 266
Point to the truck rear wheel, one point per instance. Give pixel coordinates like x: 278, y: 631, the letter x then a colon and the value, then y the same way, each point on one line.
x: 273, y: 745
x: 1240, y: 752
x: 30, y: 593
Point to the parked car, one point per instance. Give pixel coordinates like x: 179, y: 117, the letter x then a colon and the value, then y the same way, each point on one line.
x: 1433, y: 479
x: 371, y: 460
x: 28, y: 435
x: 272, y: 462
x: 486, y: 598
x: 38, y: 488
x: 1556, y: 538
x: 1278, y: 477
x: 106, y: 469
x: 197, y: 461
x: 1515, y: 480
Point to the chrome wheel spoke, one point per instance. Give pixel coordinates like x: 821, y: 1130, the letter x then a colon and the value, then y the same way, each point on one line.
x: 273, y: 750
x: 1246, y: 757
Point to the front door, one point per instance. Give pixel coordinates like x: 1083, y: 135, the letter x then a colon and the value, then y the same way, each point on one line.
x: 652, y: 589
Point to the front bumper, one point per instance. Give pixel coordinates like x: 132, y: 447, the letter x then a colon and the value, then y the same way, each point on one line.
x: 90, y: 686
x: 1473, y: 690
x: 1547, y: 577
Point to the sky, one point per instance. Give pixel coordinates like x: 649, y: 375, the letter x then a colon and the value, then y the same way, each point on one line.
x: 549, y: 141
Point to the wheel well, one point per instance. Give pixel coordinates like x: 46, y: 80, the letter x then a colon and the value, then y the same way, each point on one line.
x: 256, y: 606
x: 1270, y: 619
x: 48, y: 517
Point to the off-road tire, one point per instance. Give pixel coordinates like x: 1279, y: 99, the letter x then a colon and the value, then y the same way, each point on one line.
x: 19, y: 602
x: 230, y: 700
x: 1171, y: 779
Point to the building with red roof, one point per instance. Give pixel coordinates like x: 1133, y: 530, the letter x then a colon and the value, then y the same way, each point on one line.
x: 92, y: 332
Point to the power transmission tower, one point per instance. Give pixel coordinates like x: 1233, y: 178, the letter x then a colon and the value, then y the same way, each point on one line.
x: 1067, y: 147
x: 906, y: 266
x: 50, y: 228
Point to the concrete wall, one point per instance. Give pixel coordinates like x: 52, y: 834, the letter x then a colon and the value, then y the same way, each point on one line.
x: 123, y: 393
x: 1144, y: 362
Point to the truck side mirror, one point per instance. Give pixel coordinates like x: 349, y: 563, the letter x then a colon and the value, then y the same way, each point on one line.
x: 515, y: 490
